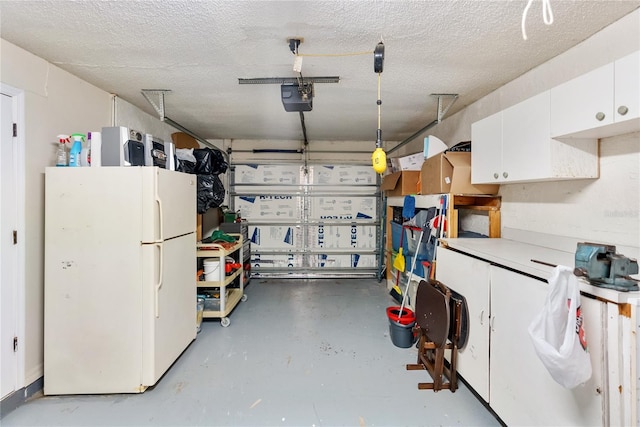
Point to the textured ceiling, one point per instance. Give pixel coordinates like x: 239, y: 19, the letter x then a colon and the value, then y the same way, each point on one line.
x: 199, y: 49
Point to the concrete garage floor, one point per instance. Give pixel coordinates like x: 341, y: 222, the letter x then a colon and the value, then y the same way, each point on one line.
x: 297, y: 353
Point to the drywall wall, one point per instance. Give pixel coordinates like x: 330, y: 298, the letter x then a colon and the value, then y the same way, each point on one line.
x: 604, y: 210
x: 55, y: 102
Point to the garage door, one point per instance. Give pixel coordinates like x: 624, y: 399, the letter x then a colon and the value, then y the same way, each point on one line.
x: 317, y: 220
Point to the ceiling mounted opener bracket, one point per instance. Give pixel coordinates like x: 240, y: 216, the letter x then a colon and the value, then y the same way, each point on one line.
x: 440, y: 115
x: 159, y: 107
x: 442, y: 111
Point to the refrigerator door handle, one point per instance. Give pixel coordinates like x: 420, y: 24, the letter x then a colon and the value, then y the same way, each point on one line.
x: 160, y: 280
x: 161, y: 225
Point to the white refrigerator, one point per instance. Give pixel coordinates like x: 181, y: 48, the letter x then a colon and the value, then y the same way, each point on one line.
x: 119, y: 279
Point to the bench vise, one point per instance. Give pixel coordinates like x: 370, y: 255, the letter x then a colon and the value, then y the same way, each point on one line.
x: 602, y: 266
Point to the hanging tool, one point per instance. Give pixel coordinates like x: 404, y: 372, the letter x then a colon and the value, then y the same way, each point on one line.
x: 399, y: 265
x: 413, y: 266
x: 379, y: 157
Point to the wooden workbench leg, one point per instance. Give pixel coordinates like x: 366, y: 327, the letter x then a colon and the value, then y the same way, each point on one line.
x: 494, y: 224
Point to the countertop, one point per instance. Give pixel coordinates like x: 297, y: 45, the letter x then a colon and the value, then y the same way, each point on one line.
x: 518, y: 255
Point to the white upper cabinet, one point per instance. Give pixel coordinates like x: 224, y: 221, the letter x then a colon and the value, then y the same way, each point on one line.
x: 486, y: 154
x: 514, y: 145
x: 603, y: 102
x: 627, y: 88
x: 526, y: 146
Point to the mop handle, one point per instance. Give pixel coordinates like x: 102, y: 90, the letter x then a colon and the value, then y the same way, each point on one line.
x: 413, y: 265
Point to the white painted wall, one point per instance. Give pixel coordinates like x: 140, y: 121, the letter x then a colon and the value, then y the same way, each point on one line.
x: 602, y: 210
x: 55, y: 102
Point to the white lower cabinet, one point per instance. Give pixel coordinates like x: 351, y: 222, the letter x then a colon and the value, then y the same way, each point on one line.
x: 522, y: 391
x: 470, y: 278
x: 499, y: 361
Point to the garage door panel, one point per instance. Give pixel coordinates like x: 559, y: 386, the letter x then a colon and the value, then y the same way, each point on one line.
x: 269, y: 208
x: 315, y: 220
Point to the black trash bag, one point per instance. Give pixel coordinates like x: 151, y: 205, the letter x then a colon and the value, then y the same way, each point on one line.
x: 209, y: 162
x: 203, y: 160
x: 218, y: 192
x: 211, y: 192
x: 185, y: 166
x: 218, y: 163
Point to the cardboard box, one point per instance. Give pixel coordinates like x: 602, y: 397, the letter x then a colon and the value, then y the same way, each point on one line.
x: 412, y: 162
x: 401, y: 183
x: 183, y: 140
x: 450, y: 172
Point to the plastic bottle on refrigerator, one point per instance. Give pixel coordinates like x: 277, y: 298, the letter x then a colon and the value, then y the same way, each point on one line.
x: 76, y: 149
x: 61, y: 154
x: 85, y: 154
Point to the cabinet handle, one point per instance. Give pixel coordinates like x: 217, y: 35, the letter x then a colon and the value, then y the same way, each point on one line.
x: 600, y: 116
x: 495, y: 175
x: 505, y: 174
x: 491, y: 322
x: 622, y: 110
x: 481, y: 317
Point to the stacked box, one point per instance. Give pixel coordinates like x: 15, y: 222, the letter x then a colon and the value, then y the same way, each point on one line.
x: 268, y: 174
x: 343, y: 236
x: 342, y: 175
x: 343, y: 208
x: 275, y: 237
x: 266, y: 208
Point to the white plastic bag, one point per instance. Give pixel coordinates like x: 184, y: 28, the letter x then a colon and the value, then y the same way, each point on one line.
x: 557, y: 331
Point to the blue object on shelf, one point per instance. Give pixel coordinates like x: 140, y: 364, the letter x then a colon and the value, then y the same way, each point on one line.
x: 396, y: 234
x: 409, y: 207
x: 410, y: 243
x: 419, y: 269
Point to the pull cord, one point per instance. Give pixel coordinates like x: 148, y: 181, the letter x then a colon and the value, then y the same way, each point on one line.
x: 547, y: 15
x: 379, y: 140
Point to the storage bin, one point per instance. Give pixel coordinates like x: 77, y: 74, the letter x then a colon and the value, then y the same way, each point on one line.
x: 212, y: 304
x: 410, y: 243
x: 396, y: 234
x: 419, y: 269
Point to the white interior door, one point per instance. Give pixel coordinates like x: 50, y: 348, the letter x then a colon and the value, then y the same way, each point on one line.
x: 8, y: 249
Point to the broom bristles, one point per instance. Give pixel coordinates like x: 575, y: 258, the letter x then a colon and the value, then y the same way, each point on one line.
x: 396, y: 293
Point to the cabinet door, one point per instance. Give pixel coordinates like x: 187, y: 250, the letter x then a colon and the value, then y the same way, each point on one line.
x: 583, y: 103
x: 525, y: 140
x: 470, y: 278
x: 486, y: 156
x: 522, y: 390
x: 627, y: 87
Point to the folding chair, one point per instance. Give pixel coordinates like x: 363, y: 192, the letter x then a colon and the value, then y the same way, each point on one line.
x: 439, y: 323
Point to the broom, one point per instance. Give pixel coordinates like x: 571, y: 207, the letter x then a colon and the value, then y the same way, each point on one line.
x: 398, y: 264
